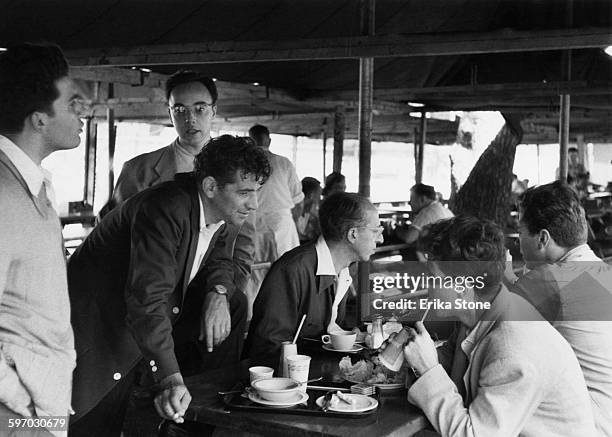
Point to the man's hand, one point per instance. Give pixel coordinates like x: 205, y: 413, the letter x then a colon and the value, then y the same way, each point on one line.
x: 420, y: 352
x: 216, y: 323
x: 174, y: 398
x: 12, y: 392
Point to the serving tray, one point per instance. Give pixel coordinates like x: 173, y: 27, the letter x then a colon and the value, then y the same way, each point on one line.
x: 236, y: 401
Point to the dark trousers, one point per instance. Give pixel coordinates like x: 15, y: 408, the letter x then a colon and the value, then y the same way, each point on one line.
x: 192, y: 355
x: 193, y: 358
x: 106, y: 418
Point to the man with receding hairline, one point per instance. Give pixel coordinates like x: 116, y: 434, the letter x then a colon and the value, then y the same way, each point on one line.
x: 313, y: 279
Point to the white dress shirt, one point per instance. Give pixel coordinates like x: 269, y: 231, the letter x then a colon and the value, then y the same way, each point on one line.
x: 206, y: 234
x: 34, y: 175
x: 325, y: 266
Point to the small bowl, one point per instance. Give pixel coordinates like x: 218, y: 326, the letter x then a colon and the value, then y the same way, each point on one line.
x: 276, y: 389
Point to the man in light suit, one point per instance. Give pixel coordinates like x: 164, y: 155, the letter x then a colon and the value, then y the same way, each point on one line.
x: 192, y: 105
x: 154, y: 279
x: 505, y: 371
x: 40, y: 109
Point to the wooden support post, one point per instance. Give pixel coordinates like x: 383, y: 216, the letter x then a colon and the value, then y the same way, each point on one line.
x: 339, y: 125
x: 366, y: 93
x: 91, y: 142
x: 112, y: 131
x: 324, y: 135
x: 421, y: 148
x: 564, y: 113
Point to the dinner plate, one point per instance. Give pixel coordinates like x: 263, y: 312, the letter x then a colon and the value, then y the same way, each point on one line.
x: 389, y: 386
x: 299, y: 398
x: 361, y: 403
x: 355, y: 348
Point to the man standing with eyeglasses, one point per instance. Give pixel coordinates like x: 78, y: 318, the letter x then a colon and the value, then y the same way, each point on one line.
x: 313, y: 279
x: 192, y: 105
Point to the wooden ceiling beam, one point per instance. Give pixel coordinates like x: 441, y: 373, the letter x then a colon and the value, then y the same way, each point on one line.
x: 379, y: 46
x: 523, y: 89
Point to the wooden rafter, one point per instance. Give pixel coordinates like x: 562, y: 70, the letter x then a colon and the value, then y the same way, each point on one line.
x: 378, y: 46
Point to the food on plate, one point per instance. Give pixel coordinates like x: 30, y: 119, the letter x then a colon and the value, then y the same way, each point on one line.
x: 339, y: 397
x: 370, y: 371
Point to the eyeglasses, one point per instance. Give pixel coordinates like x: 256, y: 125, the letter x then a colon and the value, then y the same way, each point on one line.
x: 378, y: 230
x: 198, y: 108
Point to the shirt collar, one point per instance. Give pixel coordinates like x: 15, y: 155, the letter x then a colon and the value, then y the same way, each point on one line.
x: 582, y: 253
x: 33, y: 174
x: 203, y: 226
x: 325, y: 264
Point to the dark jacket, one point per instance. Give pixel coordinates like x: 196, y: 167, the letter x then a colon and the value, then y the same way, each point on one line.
x: 290, y: 290
x: 149, y: 169
x: 127, y: 284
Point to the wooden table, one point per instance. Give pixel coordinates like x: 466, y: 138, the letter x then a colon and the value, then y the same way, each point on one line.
x: 395, y: 415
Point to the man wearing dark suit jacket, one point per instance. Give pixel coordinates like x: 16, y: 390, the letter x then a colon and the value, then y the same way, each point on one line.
x: 154, y: 278
x: 192, y: 100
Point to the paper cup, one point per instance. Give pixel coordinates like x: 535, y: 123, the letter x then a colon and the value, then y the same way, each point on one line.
x: 259, y: 372
x: 299, y: 366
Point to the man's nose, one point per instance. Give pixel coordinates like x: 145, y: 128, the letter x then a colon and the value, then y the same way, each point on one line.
x: 252, y: 202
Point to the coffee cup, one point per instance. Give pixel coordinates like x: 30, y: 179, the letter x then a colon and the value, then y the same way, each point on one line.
x: 340, y: 340
x: 259, y: 372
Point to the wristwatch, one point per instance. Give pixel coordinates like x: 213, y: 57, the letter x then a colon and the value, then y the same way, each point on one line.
x: 220, y: 289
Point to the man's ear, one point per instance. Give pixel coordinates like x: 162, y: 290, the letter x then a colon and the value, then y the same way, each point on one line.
x: 209, y: 186
x: 351, y: 235
x: 38, y: 120
x: 214, y: 110
x: 543, y: 238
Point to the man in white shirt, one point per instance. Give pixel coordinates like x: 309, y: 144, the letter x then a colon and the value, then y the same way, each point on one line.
x: 40, y: 109
x: 280, y: 201
x: 426, y: 210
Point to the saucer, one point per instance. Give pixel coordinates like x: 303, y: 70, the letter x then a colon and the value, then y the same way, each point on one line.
x: 355, y: 348
x: 299, y: 398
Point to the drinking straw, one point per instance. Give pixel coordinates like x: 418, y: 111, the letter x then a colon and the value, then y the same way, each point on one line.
x: 425, y: 315
x: 299, y: 329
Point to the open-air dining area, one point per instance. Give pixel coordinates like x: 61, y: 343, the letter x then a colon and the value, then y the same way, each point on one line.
x: 306, y: 218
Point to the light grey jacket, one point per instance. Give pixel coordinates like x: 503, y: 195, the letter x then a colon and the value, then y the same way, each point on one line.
x: 35, y: 330
x: 523, y: 379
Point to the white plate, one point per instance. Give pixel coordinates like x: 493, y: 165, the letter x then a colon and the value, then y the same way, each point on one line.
x: 355, y: 348
x: 361, y: 403
x: 389, y: 386
x: 299, y: 398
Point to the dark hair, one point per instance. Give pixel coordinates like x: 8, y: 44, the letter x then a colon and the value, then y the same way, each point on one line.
x: 572, y: 149
x: 186, y: 76
x: 467, y: 246
x: 331, y: 180
x: 28, y: 76
x: 258, y: 130
x: 223, y: 156
x: 341, y: 212
x: 424, y: 190
x: 556, y: 208
x: 310, y: 185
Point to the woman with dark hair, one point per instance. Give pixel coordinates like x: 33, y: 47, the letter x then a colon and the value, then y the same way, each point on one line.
x: 505, y: 371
